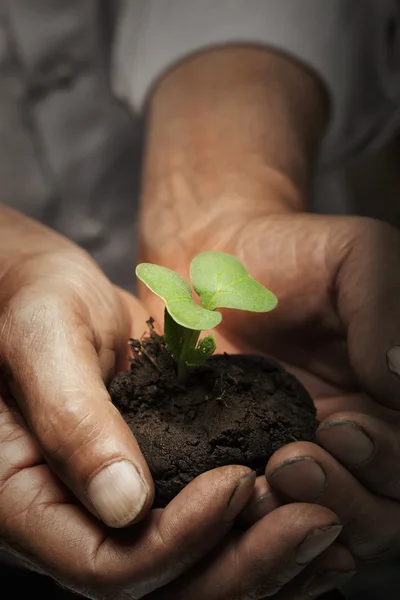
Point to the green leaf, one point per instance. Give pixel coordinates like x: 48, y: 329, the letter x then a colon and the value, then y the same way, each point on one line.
x: 222, y: 281
x: 205, y: 348
x: 177, y: 295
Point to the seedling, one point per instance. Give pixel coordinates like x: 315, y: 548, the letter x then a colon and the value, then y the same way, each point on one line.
x: 220, y: 281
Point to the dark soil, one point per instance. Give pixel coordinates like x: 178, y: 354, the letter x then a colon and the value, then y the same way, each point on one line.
x: 233, y: 410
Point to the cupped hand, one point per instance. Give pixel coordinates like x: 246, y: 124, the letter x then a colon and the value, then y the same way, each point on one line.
x: 43, y: 523
x: 63, y: 332
x: 69, y: 465
x: 337, y: 282
x: 336, y: 328
x: 71, y: 473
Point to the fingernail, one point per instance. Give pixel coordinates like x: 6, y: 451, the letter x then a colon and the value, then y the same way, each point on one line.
x: 300, y: 479
x: 326, y: 582
x: 346, y: 441
x: 393, y: 360
x: 315, y: 543
x: 240, y: 496
x: 117, y: 493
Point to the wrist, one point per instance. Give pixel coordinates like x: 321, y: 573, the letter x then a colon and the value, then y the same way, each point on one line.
x: 238, y: 123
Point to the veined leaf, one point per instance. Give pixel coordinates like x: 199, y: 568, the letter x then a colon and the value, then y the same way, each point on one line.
x: 177, y: 295
x: 222, y: 281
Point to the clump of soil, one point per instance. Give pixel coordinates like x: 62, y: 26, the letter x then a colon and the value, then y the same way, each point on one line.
x: 235, y: 409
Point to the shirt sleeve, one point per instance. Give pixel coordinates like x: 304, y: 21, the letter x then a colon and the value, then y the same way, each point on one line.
x: 352, y: 45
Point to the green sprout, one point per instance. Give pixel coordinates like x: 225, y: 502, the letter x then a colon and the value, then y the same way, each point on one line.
x: 220, y: 281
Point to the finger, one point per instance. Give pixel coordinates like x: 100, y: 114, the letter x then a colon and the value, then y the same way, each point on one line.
x: 39, y: 521
x: 54, y: 371
x: 368, y: 447
x: 304, y: 472
x: 329, y: 571
x: 259, y: 562
x: 367, y: 284
x: 262, y: 502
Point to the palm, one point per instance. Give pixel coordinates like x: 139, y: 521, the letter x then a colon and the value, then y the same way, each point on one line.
x: 296, y: 256
x: 329, y: 396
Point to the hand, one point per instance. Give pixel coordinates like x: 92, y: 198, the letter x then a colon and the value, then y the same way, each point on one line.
x: 269, y: 559
x: 341, y: 341
x: 42, y: 522
x: 361, y: 431
x: 65, y: 451
x: 337, y: 282
x: 63, y: 333
x: 46, y: 526
x: 232, y: 140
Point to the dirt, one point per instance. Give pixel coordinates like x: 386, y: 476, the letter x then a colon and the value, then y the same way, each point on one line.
x: 235, y: 409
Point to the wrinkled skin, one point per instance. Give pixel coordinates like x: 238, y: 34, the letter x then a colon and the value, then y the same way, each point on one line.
x: 338, y: 284
x: 63, y: 333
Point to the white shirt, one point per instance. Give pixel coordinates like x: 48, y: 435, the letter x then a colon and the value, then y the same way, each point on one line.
x: 352, y: 45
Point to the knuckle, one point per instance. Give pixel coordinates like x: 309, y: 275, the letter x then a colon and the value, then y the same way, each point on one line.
x: 261, y: 579
x: 172, y: 536
x: 269, y: 584
x: 93, y: 573
x: 356, y: 253
x: 374, y: 242
x: 70, y: 430
x: 359, y: 237
x: 368, y: 230
x: 104, y: 583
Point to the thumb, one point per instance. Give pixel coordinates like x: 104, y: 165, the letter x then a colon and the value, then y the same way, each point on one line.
x: 54, y: 374
x: 368, y: 295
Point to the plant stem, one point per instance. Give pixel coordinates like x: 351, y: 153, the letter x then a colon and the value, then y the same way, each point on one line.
x: 190, y: 338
